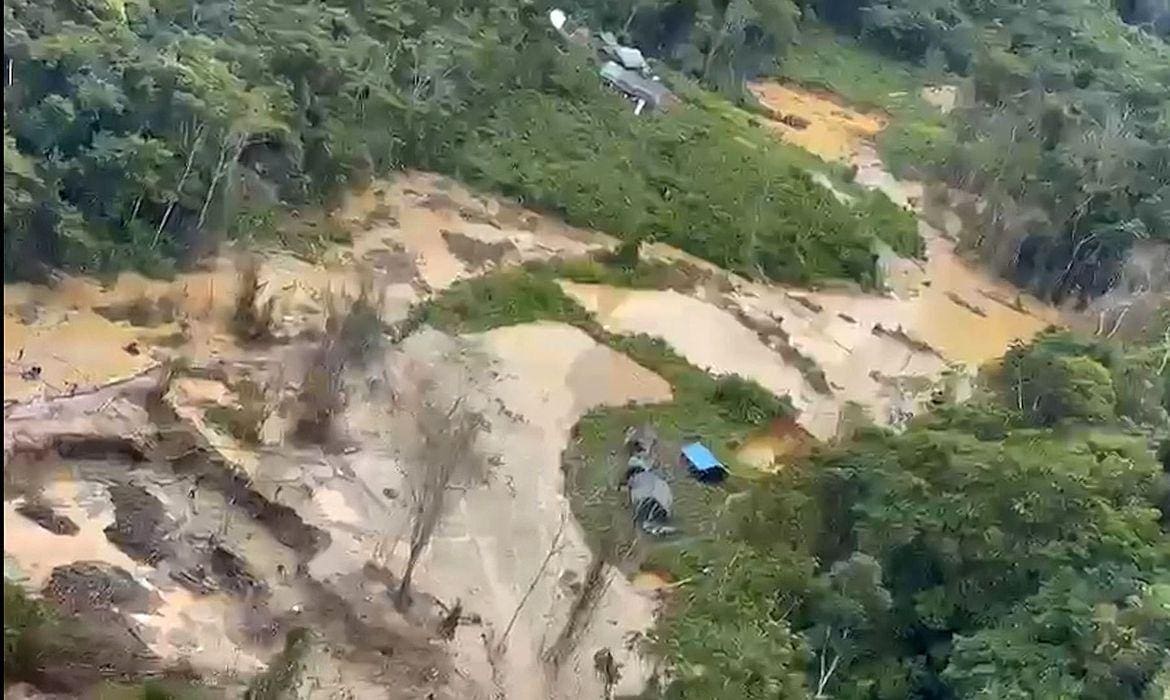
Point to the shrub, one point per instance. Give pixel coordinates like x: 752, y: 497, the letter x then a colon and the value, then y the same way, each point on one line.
x: 245, y: 421
x: 502, y: 299
x: 27, y: 638
x: 361, y: 328
x: 745, y: 401
x: 251, y: 323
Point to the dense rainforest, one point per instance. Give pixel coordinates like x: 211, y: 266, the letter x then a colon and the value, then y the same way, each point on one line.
x: 1064, y: 129
x: 1014, y: 546
x: 141, y: 133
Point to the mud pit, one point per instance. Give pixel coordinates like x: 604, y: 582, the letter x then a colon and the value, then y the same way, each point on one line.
x: 817, y: 123
x: 222, y: 570
x: 81, y: 334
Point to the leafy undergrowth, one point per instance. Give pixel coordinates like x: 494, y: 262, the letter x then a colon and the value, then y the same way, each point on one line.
x: 502, y: 298
x: 684, y: 178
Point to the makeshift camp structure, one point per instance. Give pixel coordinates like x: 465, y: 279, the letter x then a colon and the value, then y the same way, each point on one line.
x: 702, y: 463
x: 650, y: 498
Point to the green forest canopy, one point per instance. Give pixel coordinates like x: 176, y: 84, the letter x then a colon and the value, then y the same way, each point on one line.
x: 987, y: 552
x: 1012, y: 548
x: 1067, y: 138
x: 137, y: 133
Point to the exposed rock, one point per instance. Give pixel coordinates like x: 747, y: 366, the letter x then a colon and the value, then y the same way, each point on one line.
x: 233, y: 573
x: 42, y: 514
x: 141, y: 525
x: 88, y: 586
x: 476, y: 253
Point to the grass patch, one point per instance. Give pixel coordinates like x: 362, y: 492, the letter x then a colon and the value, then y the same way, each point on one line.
x: 892, y: 224
x: 28, y: 635
x: 720, y: 411
x: 918, y: 135
x: 824, y: 60
x: 283, y: 675
x: 916, y: 143
x: 503, y: 298
x: 306, y: 235
x: 643, y: 274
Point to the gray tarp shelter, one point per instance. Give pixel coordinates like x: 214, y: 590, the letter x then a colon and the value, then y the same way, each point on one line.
x: 635, y: 85
x: 650, y: 497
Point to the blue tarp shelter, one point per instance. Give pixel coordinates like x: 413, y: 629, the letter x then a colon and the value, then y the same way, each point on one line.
x: 702, y: 463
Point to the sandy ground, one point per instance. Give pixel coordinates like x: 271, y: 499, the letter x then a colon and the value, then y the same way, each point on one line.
x: 708, y: 337
x: 885, y: 352
x: 833, y: 130
x: 940, y: 317
x: 76, y: 333
x: 489, y: 551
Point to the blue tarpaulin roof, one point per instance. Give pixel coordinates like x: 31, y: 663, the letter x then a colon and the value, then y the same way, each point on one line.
x: 700, y: 457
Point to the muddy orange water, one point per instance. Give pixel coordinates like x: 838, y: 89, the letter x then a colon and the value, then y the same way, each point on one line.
x: 709, y: 337
x: 833, y: 131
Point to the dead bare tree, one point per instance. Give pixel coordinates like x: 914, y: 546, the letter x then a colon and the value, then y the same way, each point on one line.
x: 444, y: 448
x: 193, y: 139
x: 619, y: 550
x: 553, y: 550
x: 608, y: 669
x: 827, y: 670
x: 450, y: 622
x: 252, y: 321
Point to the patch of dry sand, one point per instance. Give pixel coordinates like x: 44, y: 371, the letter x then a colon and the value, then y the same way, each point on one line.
x: 833, y: 131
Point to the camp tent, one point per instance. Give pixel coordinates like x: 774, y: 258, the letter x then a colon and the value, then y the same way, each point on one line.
x: 702, y: 463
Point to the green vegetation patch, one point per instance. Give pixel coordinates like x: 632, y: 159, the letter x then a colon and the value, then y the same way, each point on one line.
x: 57, y: 653
x: 891, y: 224
x: 931, y: 561
x: 979, y: 549
x: 502, y: 298
x: 824, y: 60
x: 720, y: 411
x: 644, y: 274
x: 283, y: 676
x: 285, y: 106
x: 681, y: 178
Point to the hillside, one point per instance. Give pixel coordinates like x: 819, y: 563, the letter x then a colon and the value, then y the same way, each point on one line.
x: 326, y: 323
